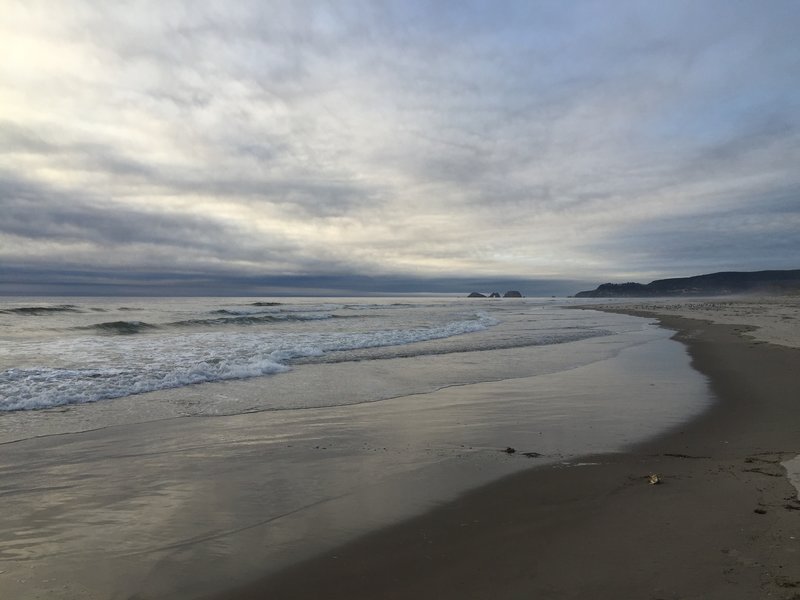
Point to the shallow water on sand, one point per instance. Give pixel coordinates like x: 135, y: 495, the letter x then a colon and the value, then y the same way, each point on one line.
x: 181, y: 506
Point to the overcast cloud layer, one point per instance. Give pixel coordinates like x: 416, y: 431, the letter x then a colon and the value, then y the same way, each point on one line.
x: 365, y: 145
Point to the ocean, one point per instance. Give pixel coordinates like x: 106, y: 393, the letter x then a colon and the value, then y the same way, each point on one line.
x: 75, y: 351
x: 240, y: 435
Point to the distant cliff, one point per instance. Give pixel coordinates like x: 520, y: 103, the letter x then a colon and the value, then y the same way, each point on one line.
x: 713, y: 284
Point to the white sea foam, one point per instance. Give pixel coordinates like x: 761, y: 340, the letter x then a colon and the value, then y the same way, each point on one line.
x: 111, y: 367
x: 47, y: 387
x: 792, y: 467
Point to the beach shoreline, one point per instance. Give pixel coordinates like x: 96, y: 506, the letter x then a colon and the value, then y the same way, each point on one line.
x: 724, y: 522
x: 103, y: 503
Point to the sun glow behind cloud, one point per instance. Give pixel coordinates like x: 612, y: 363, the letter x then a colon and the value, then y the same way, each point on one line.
x: 586, y: 140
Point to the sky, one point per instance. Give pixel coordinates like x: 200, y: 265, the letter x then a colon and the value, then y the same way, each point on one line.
x: 242, y: 147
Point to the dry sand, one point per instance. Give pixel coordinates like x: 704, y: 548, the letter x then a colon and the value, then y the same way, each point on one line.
x: 772, y: 319
x: 724, y: 524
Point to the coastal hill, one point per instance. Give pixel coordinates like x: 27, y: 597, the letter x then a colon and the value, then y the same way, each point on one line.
x: 713, y: 284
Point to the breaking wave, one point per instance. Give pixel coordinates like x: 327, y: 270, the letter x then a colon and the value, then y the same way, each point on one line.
x: 169, y: 360
x: 46, y: 388
x: 134, y: 327
x: 121, y: 327
x: 252, y: 319
x: 40, y: 310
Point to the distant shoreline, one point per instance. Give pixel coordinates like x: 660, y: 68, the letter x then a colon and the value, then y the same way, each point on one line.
x: 711, y: 284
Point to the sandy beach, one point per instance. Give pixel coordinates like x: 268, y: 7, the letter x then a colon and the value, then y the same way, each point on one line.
x: 179, y: 493
x: 771, y: 319
x: 723, y: 523
x: 399, y: 300
x: 412, y: 495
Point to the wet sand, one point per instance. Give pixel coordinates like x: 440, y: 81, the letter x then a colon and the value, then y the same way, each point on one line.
x: 181, y: 507
x: 724, y: 522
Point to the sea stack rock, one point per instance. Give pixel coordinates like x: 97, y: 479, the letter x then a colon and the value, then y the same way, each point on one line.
x: 476, y: 295
x: 494, y: 295
x: 512, y: 294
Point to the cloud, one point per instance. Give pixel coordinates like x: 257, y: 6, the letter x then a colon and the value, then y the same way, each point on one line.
x: 407, y: 141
